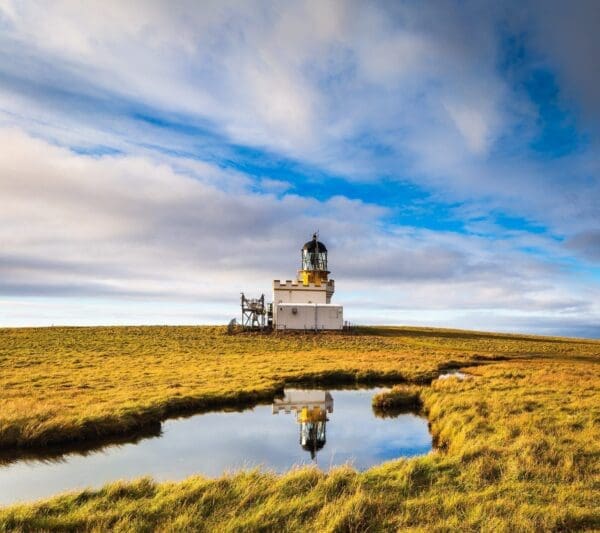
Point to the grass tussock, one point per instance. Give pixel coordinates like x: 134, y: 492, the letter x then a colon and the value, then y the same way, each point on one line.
x: 398, y: 399
x: 518, y: 442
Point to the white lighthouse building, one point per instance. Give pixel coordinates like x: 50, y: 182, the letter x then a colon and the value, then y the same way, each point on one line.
x: 305, y: 303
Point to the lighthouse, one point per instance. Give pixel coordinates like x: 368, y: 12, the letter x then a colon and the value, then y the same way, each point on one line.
x: 305, y: 303
x: 311, y: 408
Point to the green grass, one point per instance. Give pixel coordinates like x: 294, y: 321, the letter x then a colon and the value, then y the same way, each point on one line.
x: 518, y: 444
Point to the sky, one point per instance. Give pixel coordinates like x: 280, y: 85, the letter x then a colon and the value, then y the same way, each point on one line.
x: 157, y: 158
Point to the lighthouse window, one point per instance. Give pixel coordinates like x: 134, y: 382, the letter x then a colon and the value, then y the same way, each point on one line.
x: 314, y: 261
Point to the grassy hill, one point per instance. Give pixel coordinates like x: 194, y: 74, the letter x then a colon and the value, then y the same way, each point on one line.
x: 517, y: 445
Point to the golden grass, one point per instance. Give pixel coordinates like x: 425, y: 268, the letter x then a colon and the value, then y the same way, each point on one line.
x: 518, y: 443
x: 399, y: 398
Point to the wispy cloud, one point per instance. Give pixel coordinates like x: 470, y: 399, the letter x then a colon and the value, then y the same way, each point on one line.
x: 447, y: 151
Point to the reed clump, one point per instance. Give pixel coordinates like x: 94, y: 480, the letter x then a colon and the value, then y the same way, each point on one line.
x: 399, y: 398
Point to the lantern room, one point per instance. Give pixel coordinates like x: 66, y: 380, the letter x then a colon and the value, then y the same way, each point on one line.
x: 313, y: 262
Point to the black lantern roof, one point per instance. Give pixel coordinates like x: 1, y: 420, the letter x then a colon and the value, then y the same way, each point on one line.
x: 314, y: 246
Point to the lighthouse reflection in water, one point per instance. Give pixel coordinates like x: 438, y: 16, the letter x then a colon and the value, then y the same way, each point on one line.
x: 216, y: 442
x: 310, y: 407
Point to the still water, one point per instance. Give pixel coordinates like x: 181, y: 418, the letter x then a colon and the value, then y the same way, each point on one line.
x: 327, y: 428
x: 457, y: 374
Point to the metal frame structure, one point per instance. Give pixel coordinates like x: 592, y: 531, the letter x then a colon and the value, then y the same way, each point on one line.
x: 254, y: 312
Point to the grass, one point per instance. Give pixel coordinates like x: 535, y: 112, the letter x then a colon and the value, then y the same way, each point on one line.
x: 518, y: 443
x: 399, y: 398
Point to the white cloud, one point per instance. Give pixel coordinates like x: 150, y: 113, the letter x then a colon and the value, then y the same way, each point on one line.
x: 114, y: 229
x: 362, y: 90
x: 472, y: 124
x: 270, y: 76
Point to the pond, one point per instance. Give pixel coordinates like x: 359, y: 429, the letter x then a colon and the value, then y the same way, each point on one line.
x: 457, y: 374
x: 326, y: 428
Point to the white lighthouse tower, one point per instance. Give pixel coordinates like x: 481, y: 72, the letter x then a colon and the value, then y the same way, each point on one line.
x: 305, y: 303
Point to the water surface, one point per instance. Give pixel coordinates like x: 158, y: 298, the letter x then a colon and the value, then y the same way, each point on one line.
x: 454, y: 374
x: 212, y: 443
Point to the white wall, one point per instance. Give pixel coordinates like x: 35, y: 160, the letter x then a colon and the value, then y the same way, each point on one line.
x: 308, y: 316
x: 300, y: 295
x: 296, y: 292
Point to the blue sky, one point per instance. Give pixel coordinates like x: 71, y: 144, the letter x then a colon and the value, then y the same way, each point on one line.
x: 160, y: 157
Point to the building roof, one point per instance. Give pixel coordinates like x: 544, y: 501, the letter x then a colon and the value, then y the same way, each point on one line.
x: 314, y: 246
